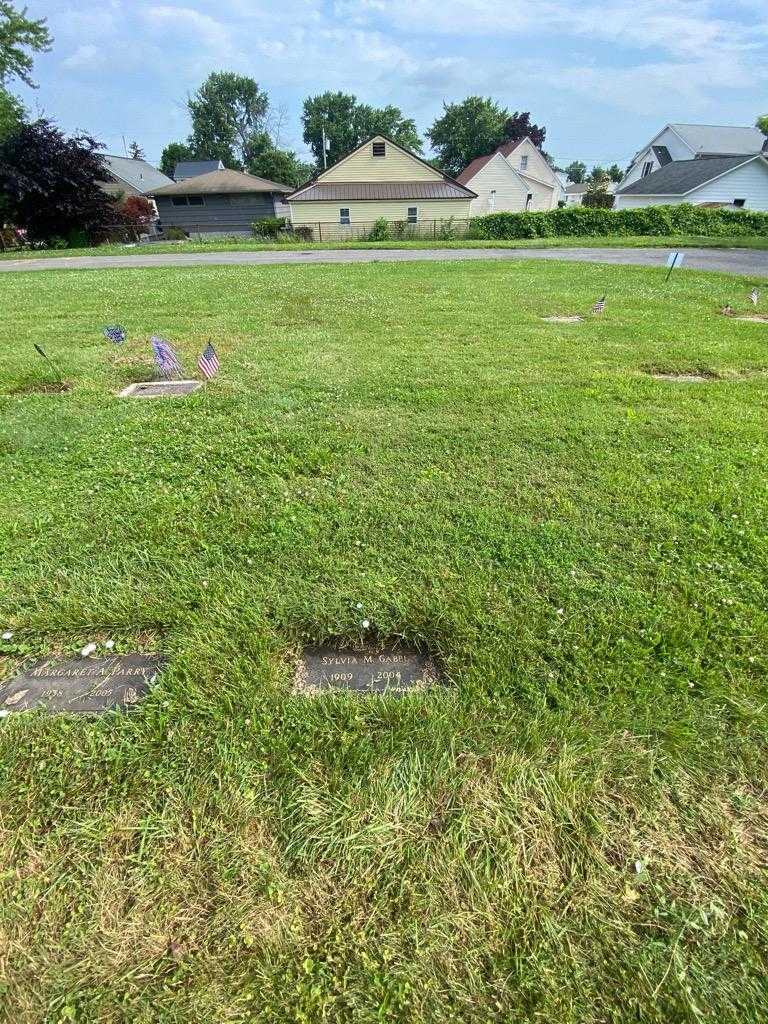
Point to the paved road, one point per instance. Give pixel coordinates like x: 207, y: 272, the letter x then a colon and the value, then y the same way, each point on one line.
x: 751, y: 262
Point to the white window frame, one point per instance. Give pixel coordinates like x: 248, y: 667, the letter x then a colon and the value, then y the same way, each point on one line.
x: 184, y: 201
x: 647, y: 168
x: 528, y: 200
x: 492, y: 200
x: 415, y: 218
x: 341, y: 215
x: 524, y: 163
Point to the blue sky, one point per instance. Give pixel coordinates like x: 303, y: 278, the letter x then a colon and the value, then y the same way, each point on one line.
x: 602, y: 76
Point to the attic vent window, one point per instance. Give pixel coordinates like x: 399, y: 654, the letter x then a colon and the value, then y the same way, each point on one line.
x: 523, y: 163
x: 379, y: 149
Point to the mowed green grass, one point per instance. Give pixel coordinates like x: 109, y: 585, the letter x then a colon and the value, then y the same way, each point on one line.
x: 575, y: 830
x: 246, y: 244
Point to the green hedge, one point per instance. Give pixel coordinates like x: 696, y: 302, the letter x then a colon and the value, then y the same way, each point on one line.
x: 650, y: 220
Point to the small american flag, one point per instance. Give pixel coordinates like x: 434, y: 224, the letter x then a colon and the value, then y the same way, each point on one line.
x: 754, y: 296
x: 208, y: 363
x: 599, y: 306
x: 116, y: 334
x: 166, y: 359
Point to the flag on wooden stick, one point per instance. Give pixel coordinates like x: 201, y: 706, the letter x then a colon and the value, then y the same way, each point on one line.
x: 166, y: 359
x: 208, y: 363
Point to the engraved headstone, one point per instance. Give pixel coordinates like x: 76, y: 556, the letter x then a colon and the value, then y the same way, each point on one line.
x: 161, y: 389
x: 392, y: 671
x: 82, y: 685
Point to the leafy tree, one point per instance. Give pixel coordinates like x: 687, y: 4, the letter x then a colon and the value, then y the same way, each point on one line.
x: 615, y: 173
x: 173, y: 154
x: 467, y: 130
x: 19, y: 34
x: 597, y: 174
x: 576, y: 172
x: 282, y: 166
x: 227, y: 111
x: 51, y: 183
x: 137, y: 213
x: 518, y: 125
x: 348, y: 123
x: 597, y: 193
x: 11, y: 113
x: 762, y: 124
x: 135, y: 152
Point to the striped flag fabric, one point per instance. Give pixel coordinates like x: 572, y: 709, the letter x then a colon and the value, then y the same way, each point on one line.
x: 208, y: 363
x: 599, y: 306
x: 754, y: 296
x: 166, y: 359
x: 115, y: 333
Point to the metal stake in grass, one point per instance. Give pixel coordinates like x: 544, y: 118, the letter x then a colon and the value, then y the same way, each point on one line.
x: 674, y: 260
x: 49, y: 361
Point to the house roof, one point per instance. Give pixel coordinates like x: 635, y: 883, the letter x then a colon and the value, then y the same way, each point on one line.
x: 479, y: 162
x: 681, y: 176
x: 341, y: 191
x: 224, y: 181
x: 137, y: 173
x: 725, y: 140
x: 300, y: 194
x: 191, y: 168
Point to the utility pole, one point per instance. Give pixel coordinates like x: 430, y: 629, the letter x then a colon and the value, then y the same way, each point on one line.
x: 325, y: 147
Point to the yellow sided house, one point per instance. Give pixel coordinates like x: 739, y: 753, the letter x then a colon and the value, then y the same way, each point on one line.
x: 380, y: 180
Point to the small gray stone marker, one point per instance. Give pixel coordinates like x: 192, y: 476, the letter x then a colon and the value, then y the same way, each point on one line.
x: 389, y: 671
x: 161, y: 389
x: 82, y: 685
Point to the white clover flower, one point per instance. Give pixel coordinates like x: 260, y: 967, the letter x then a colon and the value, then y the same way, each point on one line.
x: 366, y: 623
x: 88, y: 649
x: 7, y: 635
x: 109, y: 644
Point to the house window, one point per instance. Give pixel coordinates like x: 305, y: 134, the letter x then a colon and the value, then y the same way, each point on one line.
x: 344, y: 215
x: 187, y: 201
x: 413, y: 214
x: 523, y: 163
x: 379, y: 149
x: 178, y: 200
x: 528, y: 200
x: 196, y: 201
x: 739, y: 202
x: 492, y: 200
x: 647, y: 168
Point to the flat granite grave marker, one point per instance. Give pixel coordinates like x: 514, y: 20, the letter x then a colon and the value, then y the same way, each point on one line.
x: 85, y: 686
x: 389, y: 671
x: 161, y: 389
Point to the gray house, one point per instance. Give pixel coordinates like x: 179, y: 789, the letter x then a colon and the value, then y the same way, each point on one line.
x: 191, y: 168
x: 131, y: 177
x: 222, y: 202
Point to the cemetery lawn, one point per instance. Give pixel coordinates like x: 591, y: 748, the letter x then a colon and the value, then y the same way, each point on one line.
x: 574, y: 831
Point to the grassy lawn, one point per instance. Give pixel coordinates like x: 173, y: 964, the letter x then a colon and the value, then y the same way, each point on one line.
x: 247, y: 245
x: 574, y: 832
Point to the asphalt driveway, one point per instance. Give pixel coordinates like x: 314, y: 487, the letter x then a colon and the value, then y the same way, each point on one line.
x: 749, y: 262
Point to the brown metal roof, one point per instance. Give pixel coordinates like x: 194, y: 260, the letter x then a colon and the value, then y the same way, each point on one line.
x: 347, y: 191
x: 225, y: 181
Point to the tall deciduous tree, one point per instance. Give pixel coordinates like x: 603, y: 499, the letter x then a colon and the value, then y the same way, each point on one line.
x: 519, y: 125
x: 348, y: 123
x: 51, y: 183
x: 20, y: 37
x: 227, y: 111
x: 467, y: 130
x: 762, y: 124
x: 173, y: 154
x: 576, y: 171
x: 282, y: 166
x: 615, y: 173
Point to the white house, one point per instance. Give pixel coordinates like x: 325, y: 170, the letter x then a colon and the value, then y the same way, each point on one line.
x: 689, y: 141
x: 574, y: 194
x: 740, y: 182
x: 514, y: 177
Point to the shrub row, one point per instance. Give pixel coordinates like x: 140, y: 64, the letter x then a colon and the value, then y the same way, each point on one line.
x: 650, y: 220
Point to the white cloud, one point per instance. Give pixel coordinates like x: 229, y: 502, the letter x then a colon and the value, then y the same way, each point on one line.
x: 85, y: 56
